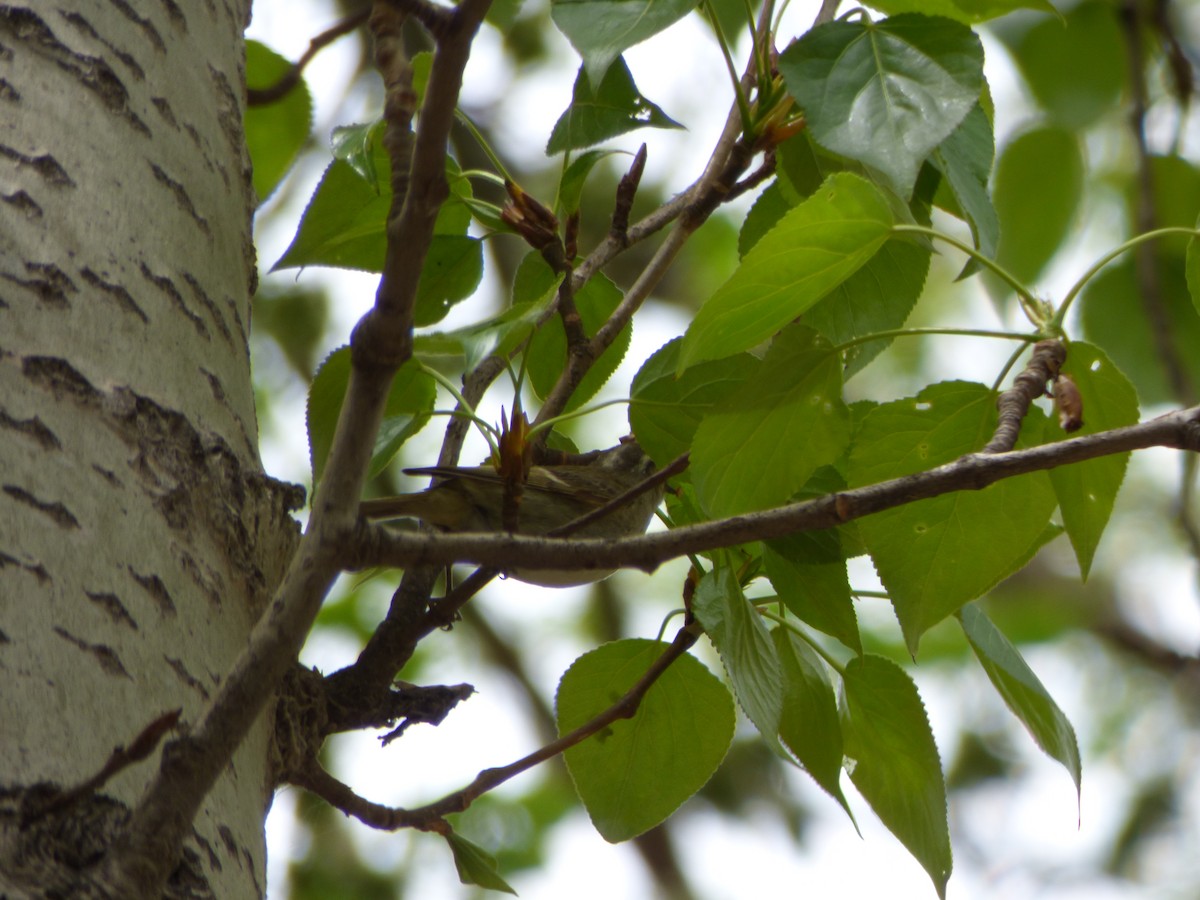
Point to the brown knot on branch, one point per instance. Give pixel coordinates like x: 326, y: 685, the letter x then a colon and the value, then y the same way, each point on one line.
x: 1043, y: 367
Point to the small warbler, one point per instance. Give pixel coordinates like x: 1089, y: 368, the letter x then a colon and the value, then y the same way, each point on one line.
x: 472, y: 499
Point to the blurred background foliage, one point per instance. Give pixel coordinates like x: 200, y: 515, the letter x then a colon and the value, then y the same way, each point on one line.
x: 1097, y: 141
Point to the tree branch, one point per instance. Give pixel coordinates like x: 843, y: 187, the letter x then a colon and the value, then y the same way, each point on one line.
x: 376, y: 546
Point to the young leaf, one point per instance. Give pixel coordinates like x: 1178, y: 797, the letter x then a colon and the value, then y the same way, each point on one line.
x: 601, y: 30
x: 357, y: 146
x: 409, y: 404
x: 885, y: 93
x: 737, y: 631
x: 809, y: 727
x: 665, y: 409
x: 475, y: 865
x: 570, y: 187
x: 935, y: 555
x: 893, y: 760
x: 1021, y: 689
x: 1086, y: 491
x: 815, y: 247
x: 275, y: 131
x: 638, y: 771
x: 782, y: 423
x: 599, y: 113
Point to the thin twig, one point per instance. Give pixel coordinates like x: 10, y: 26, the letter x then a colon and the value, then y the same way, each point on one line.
x: 1043, y: 366
x: 291, y: 78
x: 432, y: 816
x: 375, y: 546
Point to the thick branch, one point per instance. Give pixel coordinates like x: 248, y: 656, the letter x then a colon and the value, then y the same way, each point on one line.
x: 374, y: 546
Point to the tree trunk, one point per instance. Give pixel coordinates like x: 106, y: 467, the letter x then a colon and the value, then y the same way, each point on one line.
x: 139, y: 538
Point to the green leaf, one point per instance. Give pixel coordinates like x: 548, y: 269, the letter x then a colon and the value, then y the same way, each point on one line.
x: 409, y: 404
x: 1077, y: 66
x: 810, y: 727
x: 453, y: 269
x: 808, y: 571
x: 276, y: 131
x: 1021, y: 689
x: 1192, y: 272
x: 893, y: 760
x: 665, y: 409
x: 345, y: 221
x: 782, y: 423
x: 547, y: 353
x: 601, y: 30
x: 636, y: 772
x: 814, y: 248
x: 1039, y: 181
x: 357, y: 146
x: 475, y: 865
x: 1086, y: 491
x: 971, y: 12
x: 768, y: 209
x: 498, y: 335
x: 1176, y: 183
x: 1115, y: 317
x: 570, y: 187
x: 965, y: 159
x: 737, y: 631
x: 885, y: 93
x: 878, y: 297
x: 597, y: 114
x: 935, y: 555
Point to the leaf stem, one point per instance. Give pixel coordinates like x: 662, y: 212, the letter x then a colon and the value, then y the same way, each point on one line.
x: 1028, y: 304
x: 1104, y: 260
x: 795, y: 629
x: 916, y: 332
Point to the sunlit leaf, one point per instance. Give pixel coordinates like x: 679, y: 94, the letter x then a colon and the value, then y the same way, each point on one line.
x: 815, y: 247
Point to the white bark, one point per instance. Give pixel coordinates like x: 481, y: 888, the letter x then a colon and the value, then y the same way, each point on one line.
x: 137, y: 534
